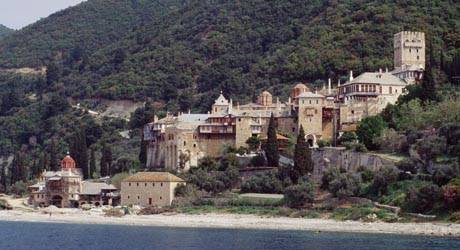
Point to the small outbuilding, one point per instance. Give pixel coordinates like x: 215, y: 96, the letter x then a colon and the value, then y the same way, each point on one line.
x: 149, y: 189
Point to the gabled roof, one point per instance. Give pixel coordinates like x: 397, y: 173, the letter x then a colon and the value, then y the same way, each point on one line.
x: 310, y: 95
x: 95, y: 188
x: 153, y: 177
x: 383, y: 78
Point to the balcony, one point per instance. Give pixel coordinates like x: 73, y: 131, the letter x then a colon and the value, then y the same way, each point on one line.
x: 216, y: 129
x: 256, y: 129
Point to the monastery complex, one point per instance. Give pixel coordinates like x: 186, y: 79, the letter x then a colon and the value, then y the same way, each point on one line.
x: 178, y: 142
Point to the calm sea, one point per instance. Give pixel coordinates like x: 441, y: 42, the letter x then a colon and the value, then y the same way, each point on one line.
x: 20, y: 235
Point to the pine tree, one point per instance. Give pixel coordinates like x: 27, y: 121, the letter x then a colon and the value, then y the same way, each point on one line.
x: 3, y: 176
x: 303, y: 163
x: 92, y: 164
x: 428, y: 85
x: 271, y: 146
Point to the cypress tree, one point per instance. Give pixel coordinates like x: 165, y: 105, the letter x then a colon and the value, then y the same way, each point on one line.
x: 79, y: 150
x: 106, y: 160
x: 149, y: 114
x: 92, y: 164
x: 428, y: 85
x: 3, y: 176
x: 303, y: 163
x: 53, y: 162
x: 271, y: 146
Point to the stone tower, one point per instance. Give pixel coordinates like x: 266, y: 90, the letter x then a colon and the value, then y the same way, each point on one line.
x: 409, y: 49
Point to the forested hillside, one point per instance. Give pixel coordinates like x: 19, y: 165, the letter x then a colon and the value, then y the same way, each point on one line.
x: 4, y: 31
x: 86, y: 27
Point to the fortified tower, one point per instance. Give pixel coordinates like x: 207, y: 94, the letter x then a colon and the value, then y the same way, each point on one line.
x: 409, y: 49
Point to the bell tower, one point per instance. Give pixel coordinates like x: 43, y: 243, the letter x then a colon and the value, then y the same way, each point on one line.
x: 409, y: 49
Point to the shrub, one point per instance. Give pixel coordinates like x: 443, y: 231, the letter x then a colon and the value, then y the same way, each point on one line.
x: 369, y: 129
x: 423, y: 199
x: 262, y: 183
x: 253, y: 143
x: 258, y: 161
x: 382, y: 179
x: 451, y: 194
x: 19, y: 188
x: 348, y: 137
x: 367, y: 175
x: 180, y: 190
x: 391, y: 141
x: 443, y: 174
x: 323, y: 143
x: 328, y: 176
x: 430, y: 147
x: 300, y: 194
x: 345, y: 185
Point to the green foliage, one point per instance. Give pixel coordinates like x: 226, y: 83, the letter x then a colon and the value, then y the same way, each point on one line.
x: 79, y: 151
x: 19, y: 188
x: 300, y: 194
x: 271, y: 146
x: 303, y: 163
x: 348, y: 137
x: 382, y: 179
x: 346, y: 185
x: 445, y: 173
x: 328, y: 176
x: 262, y: 183
x: 430, y: 147
x: 253, y: 143
x: 117, y: 179
x: 213, y: 181
x: 4, y: 31
x: 423, y: 199
x: 369, y: 129
x: 106, y: 160
x: 323, y: 143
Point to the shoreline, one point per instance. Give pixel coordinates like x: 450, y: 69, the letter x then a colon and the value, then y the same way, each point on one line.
x: 235, y: 221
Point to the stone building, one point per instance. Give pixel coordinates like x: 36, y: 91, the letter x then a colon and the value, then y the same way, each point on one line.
x: 409, y: 56
x: 149, y: 189
x: 178, y: 142
x: 66, y: 188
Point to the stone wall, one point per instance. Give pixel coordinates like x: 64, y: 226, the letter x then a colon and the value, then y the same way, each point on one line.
x: 326, y: 158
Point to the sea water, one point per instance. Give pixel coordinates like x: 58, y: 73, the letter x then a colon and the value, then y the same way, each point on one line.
x: 25, y: 235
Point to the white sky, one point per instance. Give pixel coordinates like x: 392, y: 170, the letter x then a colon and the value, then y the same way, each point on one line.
x: 19, y: 13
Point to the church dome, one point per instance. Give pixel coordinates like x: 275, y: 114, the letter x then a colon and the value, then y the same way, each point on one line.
x: 299, y: 89
x: 68, y: 162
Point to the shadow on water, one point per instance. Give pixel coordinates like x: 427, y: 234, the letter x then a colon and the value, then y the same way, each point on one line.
x: 21, y: 235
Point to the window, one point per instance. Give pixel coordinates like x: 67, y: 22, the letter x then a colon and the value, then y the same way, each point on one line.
x: 153, y: 184
x: 316, y: 101
x: 145, y: 184
x: 185, y: 143
x: 137, y: 184
x: 138, y: 197
x: 418, y: 58
x: 161, y: 198
x: 128, y: 196
x: 391, y: 90
x: 194, y: 145
x: 310, y: 101
x: 161, y: 184
x: 150, y: 201
x: 130, y: 184
x: 303, y: 101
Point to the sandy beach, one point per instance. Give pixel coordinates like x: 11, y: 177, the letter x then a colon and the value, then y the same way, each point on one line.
x: 234, y: 221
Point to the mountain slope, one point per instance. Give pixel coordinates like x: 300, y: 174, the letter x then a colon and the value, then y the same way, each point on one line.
x: 207, y: 46
x: 87, y: 26
x: 5, y: 31
x: 182, y: 53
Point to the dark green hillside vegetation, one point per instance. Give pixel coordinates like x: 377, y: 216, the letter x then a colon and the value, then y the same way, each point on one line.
x: 78, y: 31
x: 4, y: 31
x: 183, y: 55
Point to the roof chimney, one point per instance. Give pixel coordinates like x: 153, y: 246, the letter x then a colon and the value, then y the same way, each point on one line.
x: 329, y: 86
x: 386, y: 69
x: 351, y: 75
x: 380, y: 70
x: 338, y: 84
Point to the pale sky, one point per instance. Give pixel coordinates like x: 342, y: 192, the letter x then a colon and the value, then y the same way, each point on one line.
x: 19, y: 13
